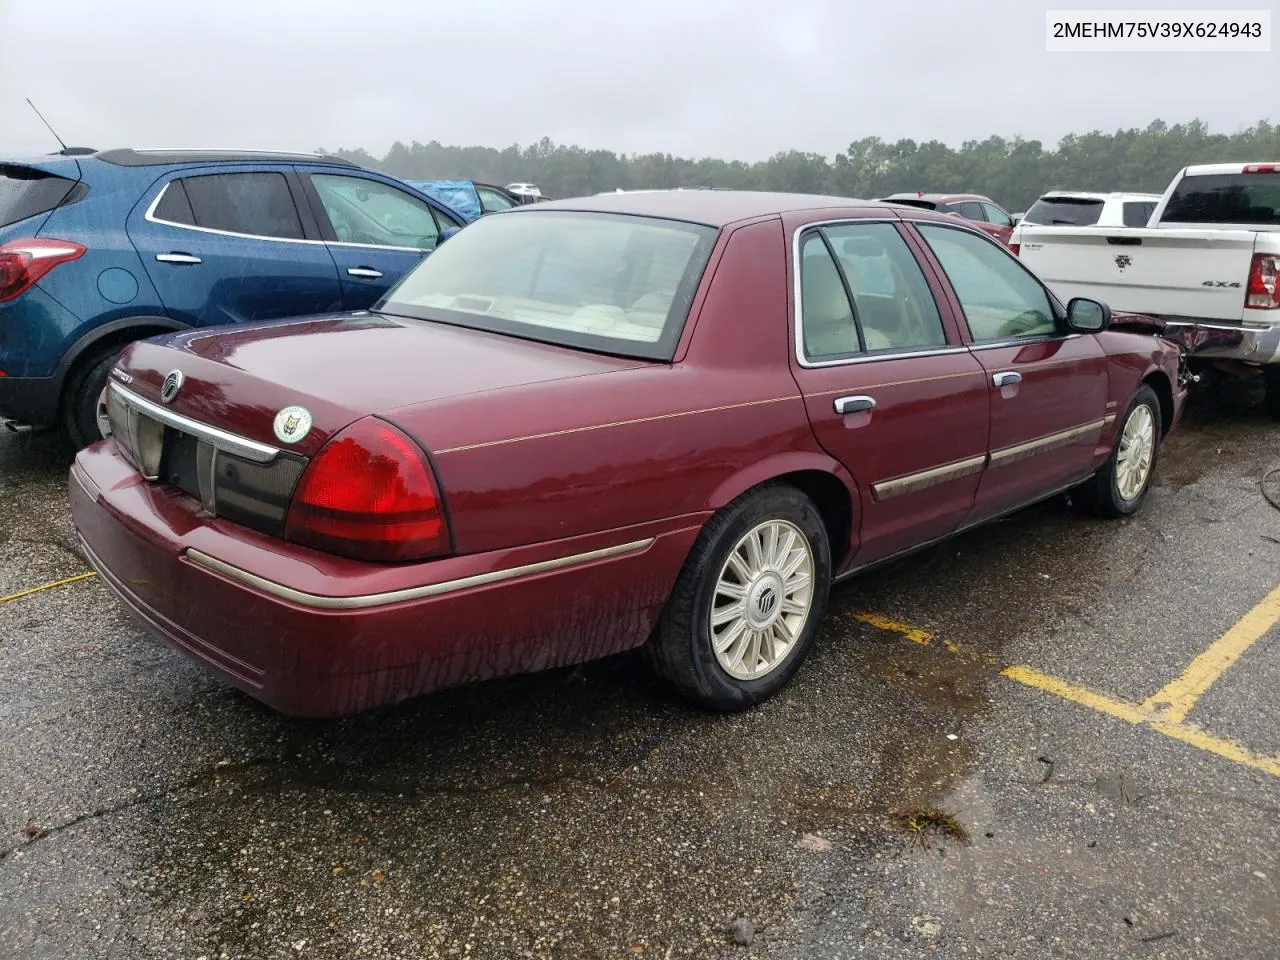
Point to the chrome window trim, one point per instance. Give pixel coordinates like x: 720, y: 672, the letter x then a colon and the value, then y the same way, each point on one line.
x: 150, y: 217
x: 797, y: 309
x: 365, y: 601
x: 1022, y: 341
x: 220, y: 439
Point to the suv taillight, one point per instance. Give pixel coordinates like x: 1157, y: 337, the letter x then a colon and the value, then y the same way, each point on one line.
x: 1014, y: 248
x: 369, y: 494
x: 1263, y: 289
x: 24, y: 262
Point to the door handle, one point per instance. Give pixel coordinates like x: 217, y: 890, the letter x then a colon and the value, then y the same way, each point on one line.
x: 845, y: 405
x: 177, y: 258
x: 366, y: 272
x: 1006, y: 378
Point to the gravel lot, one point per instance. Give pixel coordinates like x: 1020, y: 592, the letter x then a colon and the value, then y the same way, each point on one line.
x: 147, y: 810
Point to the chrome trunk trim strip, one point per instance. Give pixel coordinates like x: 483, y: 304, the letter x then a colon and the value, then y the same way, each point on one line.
x: 220, y: 439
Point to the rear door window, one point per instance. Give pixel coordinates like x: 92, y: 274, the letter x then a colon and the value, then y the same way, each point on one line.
x: 1137, y: 213
x: 968, y: 209
x: 27, y: 192
x: 252, y: 204
x: 1225, y: 198
x: 1064, y: 211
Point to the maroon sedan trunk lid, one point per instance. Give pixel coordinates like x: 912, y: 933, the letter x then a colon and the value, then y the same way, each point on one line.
x: 339, y: 368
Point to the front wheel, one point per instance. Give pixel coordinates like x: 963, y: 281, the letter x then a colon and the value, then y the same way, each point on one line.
x: 1120, y: 487
x: 746, y: 606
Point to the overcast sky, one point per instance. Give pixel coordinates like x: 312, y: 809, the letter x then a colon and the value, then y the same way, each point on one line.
x: 731, y: 78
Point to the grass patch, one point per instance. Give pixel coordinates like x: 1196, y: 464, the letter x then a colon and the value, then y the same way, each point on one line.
x: 924, y: 824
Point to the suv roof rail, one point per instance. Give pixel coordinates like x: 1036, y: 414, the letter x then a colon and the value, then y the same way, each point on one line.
x: 154, y: 156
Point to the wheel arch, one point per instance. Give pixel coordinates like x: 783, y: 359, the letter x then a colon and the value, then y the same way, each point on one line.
x: 116, y: 332
x: 1160, y: 384
x: 823, y: 480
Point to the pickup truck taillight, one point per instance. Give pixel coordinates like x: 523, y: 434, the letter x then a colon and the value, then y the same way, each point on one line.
x: 24, y: 262
x: 1263, y: 289
x: 369, y: 494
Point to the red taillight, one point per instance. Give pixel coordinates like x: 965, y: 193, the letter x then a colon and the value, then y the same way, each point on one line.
x: 1261, y: 168
x: 1014, y: 248
x: 1263, y: 289
x: 24, y: 262
x: 369, y: 494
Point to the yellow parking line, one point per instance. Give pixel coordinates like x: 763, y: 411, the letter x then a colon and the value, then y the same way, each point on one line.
x: 47, y: 586
x: 1081, y: 695
x: 913, y: 634
x: 1139, y: 714
x: 1175, y: 700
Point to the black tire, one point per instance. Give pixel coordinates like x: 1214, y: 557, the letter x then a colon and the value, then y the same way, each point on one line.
x: 1101, y: 492
x: 1271, y: 399
x: 80, y: 401
x: 681, y: 648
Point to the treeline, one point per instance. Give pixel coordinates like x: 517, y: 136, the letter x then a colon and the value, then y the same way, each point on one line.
x: 1012, y: 172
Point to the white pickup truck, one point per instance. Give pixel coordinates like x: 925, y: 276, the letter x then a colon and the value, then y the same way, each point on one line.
x: 1207, y: 267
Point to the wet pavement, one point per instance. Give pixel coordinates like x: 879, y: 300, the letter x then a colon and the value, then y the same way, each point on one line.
x: 147, y: 810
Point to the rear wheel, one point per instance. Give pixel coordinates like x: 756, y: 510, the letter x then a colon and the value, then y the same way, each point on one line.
x: 746, y: 606
x: 82, y: 414
x: 1120, y: 487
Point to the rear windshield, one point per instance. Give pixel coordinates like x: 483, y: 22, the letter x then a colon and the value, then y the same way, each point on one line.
x: 604, y: 282
x: 914, y: 202
x: 26, y: 192
x: 1225, y: 198
x: 1068, y: 211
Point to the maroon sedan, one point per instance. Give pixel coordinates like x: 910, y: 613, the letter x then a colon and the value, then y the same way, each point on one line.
x: 664, y: 419
x: 983, y: 212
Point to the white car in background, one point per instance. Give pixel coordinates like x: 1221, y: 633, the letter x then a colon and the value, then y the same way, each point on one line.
x: 1075, y: 208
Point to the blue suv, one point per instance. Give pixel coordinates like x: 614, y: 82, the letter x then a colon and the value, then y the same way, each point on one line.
x: 98, y: 249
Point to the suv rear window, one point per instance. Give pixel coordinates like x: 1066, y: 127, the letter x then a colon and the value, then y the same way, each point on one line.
x: 1069, y: 211
x: 27, y: 192
x: 1225, y: 198
x: 612, y: 283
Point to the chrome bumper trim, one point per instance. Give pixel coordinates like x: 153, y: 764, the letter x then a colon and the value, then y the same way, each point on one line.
x: 1221, y: 342
x: 365, y: 601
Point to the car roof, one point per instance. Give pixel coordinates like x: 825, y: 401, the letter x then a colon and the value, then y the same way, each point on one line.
x: 1089, y: 195
x: 936, y: 197
x: 714, y: 208
x: 1212, y: 169
x: 163, y: 156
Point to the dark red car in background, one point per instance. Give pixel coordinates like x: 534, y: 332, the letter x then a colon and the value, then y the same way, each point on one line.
x: 580, y: 427
x: 987, y: 215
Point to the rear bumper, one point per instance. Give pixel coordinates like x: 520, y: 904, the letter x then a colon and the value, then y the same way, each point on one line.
x: 312, y: 635
x: 1220, y: 342
x: 31, y: 400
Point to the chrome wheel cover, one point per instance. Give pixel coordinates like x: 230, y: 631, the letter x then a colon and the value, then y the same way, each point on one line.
x: 762, y: 600
x: 100, y: 414
x: 1136, y: 453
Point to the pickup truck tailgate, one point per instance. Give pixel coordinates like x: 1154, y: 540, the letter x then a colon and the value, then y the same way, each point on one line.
x: 1170, y: 273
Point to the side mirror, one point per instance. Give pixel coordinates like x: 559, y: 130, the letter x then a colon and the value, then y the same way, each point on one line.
x: 1087, y: 316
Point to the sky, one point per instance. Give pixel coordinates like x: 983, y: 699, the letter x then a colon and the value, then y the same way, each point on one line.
x: 738, y: 79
